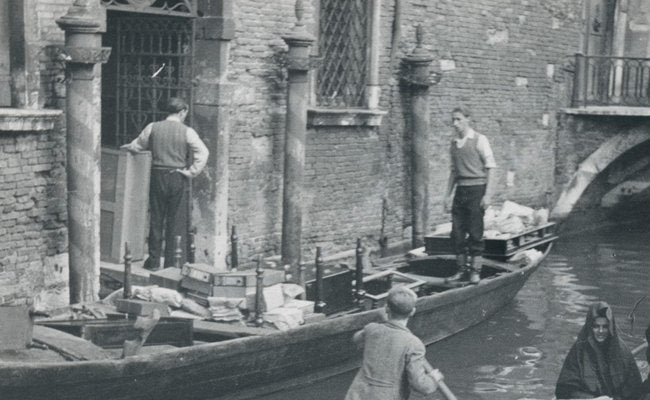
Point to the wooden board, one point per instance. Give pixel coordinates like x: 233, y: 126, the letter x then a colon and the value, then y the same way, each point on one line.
x: 112, y: 333
x: 68, y: 345
x: 15, y: 327
x: 124, y: 203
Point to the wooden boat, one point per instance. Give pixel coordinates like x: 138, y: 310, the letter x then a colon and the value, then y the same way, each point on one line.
x: 247, y: 367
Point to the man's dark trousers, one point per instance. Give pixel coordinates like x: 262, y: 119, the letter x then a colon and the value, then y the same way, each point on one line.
x: 467, y: 220
x: 168, y: 214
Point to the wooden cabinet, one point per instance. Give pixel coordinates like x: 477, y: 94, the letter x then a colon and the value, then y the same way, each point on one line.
x: 124, y: 203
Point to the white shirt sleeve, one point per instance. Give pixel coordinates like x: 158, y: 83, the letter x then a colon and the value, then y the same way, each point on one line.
x: 484, y: 149
x: 200, y: 152
x: 141, y: 143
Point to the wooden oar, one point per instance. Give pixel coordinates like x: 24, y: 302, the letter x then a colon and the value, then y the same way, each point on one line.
x: 449, y: 395
x: 638, y: 349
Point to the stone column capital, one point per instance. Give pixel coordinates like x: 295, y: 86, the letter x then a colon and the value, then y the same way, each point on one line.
x: 84, y: 16
x: 417, y: 73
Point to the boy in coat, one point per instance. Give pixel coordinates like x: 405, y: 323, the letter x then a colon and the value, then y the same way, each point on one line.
x: 393, y: 358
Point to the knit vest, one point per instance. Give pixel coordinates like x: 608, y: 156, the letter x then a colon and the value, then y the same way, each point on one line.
x: 168, y: 144
x: 470, y: 169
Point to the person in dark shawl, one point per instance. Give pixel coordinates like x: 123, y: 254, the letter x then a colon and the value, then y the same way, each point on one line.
x: 599, y: 365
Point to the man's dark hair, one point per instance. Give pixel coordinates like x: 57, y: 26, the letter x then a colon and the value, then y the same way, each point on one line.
x: 176, y: 105
x: 463, y: 110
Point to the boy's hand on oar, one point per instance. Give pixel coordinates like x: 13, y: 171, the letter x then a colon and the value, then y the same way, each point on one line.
x: 437, y: 375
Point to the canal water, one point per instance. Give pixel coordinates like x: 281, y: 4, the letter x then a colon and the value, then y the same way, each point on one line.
x: 518, y: 353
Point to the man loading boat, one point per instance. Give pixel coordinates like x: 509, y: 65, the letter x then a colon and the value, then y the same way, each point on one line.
x: 472, y: 163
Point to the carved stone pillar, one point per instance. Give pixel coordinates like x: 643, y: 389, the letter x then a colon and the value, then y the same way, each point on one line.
x: 417, y: 82
x: 83, y: 25
x: 298, y: 41
x: 212, y: 107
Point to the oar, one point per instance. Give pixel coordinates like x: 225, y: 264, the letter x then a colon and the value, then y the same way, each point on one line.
x: 441, y: 384
x: 638, y: 349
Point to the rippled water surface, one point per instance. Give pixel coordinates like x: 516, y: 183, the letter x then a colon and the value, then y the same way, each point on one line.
x: 518, y: 353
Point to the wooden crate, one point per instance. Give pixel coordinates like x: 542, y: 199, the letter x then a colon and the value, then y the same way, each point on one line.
x: 337, y: 288
x: 124, y: 203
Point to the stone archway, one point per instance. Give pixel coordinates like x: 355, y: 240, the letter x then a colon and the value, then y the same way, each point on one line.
x: 607, y: 153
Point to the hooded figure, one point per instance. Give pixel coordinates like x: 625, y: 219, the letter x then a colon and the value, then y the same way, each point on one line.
x: 599, y: 363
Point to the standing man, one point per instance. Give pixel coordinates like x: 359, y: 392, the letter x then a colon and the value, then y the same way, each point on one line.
x: 172, y: 145
x: 472, y: 163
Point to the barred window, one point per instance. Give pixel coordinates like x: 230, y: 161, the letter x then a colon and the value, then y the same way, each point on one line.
x: 344, y: 40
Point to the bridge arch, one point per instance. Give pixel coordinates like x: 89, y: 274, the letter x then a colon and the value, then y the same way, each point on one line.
x: 594, y: 164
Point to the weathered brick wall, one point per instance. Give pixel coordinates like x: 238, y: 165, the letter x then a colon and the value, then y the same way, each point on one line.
x: 502, y: 58
x: 505, y: 59
x: 33, y: 235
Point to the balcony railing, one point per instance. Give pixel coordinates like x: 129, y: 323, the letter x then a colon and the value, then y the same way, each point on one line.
x: 611, y: 81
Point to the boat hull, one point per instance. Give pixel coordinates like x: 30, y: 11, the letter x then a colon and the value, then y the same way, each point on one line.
x: 249, y: 367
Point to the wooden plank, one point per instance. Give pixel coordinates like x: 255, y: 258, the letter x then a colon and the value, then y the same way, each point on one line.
x: 68, y: 345
x: 15, y: 327
x: 111, y: 333
x: 124, y: 203
x: 228, y: 330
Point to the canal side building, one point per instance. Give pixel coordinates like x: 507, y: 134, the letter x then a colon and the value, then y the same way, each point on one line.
x: 326, y: 120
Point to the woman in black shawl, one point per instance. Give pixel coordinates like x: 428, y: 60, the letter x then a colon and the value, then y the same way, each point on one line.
x: 599, y: 363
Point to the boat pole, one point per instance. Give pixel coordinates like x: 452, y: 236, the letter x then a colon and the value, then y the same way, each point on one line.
x: 127, y: 271
x: 449, y: 395
x: 234, y: 256
x: 319, y: 304
x: 417, y: 82
x: 178, y: 252
x: 359, y: 293
x: 259, y: 292
x: 298, y: 64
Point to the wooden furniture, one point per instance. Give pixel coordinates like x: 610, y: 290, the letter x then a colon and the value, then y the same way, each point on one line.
x: 124, y: 203
x: 498, y: 248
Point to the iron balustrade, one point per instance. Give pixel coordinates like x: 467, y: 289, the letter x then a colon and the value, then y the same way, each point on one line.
x: 611, y: 81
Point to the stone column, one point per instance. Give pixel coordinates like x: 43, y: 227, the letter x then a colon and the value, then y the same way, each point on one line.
x: 618, y: 48
x: 417, y: 83
x: 212, y: 106
x: 83, y: 25
x: 373, y: 87
x: 298, y: 41
x: 24, y: 47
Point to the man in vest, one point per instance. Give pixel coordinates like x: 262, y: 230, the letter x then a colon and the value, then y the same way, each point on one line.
x: 472, y: 163
x: 171, y: 143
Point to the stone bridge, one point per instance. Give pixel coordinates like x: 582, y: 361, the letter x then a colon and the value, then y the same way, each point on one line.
x: 602, y: 160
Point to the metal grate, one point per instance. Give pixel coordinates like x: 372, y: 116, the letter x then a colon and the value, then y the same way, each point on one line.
x: 169, y: 7
x: 344, y: 40
x: 151, y: 62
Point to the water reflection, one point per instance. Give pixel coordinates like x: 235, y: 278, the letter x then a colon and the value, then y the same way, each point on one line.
x: 517, y: 355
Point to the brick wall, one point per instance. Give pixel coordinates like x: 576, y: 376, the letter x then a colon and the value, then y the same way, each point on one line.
x: 505, y: 59
x: 33, y: 236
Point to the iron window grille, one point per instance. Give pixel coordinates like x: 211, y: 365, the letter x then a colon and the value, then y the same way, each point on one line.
x: 344, y: 45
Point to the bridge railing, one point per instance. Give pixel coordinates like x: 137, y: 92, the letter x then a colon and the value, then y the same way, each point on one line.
x: 611, y: 81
